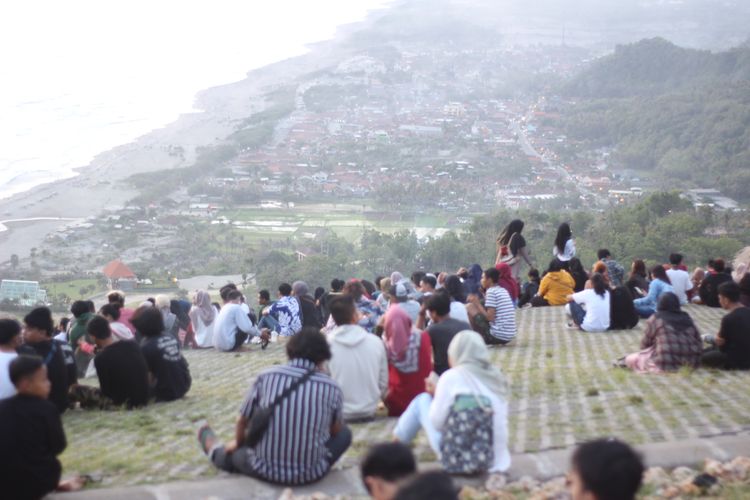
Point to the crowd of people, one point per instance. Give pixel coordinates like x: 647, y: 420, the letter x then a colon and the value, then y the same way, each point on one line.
x: 417, y: 347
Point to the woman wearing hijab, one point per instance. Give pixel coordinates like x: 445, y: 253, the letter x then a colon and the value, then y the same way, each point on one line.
x: 171, y: 325
x: 409, y: 360
x: 308, y: 311
x: 202, y: 316
x: 473, y: 281
x: 471, y: 374
x: 508, y: 282
x: 511, y: 248
x: 670, y: 341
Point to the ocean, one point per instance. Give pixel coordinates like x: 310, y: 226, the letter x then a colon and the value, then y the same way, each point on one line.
x: 83, y: 76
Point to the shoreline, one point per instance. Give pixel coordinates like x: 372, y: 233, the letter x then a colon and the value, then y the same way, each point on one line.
x: 102, y: 184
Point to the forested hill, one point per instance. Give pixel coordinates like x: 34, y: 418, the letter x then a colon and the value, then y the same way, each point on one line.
x: 656, y: 66
x: 680, y: 115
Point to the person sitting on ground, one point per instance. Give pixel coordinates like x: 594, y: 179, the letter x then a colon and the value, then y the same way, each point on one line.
x: 171, y: 325
x: 121, y: 368
x: 61, y: 332
x: 670, y: 341
x: 181, y: 309
x: 83, y: 347
x: 731, y: 349
x: 745, y: 290
x: 496, y: 319
x: 397, y: 277
x: 359, y: 364
x: 385, y: 468
x: 579, y: 274
x: 10, y: 340
x: 555, y: 286
x: 203, y: 319
x: 638, y: 283
x: 660, y: 284
x: 400, y: 298
x: 599, y: 268
x: 32, y: 435
x: 369, y: 311
x: 605, y: 469
x: 615, y: 271
x: 442, y: 330
x: 118, y: 298
x: 409, y: 360
x: 565, y: 247
x: 472, y: 283
x: 169, y: 372
x: 232, y: 326
x: 709, y: 289
x: 120, y: 331
x: 590, y: 308
x: 679, y: 278
x: 697, y: 279
x: 471, y: 378
x: 529, y: 289
x: 427, y: 287
x: 454, y: 288
x: 285, y: 311
x: 57, y: 356
x: 622, y: 313
x: 307, y: 310
x: 313, y: 435
x: 384, y: 299
x: 508, y: 282
x: 430, y: 485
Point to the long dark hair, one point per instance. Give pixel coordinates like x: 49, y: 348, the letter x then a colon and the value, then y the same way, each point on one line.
x: 513, y: 227
x: 563, y: 235
x: 638, y: 268
x: 575, y: 266
x: 658, y: 272
x: 600, y: 286
x: 455, y: 288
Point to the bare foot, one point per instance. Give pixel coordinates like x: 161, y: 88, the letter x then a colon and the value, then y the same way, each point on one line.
x: 73, y: 484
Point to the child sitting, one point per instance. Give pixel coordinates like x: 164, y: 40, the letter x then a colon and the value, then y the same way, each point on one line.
x: 529, y: 289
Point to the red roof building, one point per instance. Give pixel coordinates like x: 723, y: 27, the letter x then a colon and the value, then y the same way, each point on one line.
x: 117, y: 270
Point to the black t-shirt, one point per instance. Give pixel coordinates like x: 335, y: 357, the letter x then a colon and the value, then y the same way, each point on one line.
x: 735, y: 330
x: 309, y: 312
x: 441, y: 335
x: 123, y: 374
x: 709, y: 290
x: 31, y: 437
x: 60, y: 372
x: 516, y: 243
x: 168, y: 366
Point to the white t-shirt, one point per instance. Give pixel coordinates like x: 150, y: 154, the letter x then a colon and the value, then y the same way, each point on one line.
x: 681, y: 283
x: 597, y: 310
x: 568, y: 252
x: 7, y: 389
x: 458, y: 311
x: 455, y: 382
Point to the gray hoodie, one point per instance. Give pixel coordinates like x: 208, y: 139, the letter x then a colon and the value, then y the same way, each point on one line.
x: 359, y: 366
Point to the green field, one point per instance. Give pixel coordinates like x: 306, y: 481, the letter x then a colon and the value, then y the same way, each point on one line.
x: 73, y: 288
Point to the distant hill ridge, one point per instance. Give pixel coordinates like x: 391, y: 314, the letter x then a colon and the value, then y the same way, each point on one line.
x: 655, y: 66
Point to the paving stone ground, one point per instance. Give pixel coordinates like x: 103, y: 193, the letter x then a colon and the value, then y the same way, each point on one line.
x: 563, y: 391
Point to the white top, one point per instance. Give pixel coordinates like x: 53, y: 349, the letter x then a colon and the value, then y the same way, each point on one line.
x: 120, y: 331
x: 681, y: 284
x: 568, y: 253
x: 7, y: 389
x: 597, y: 310
x: 458, y: 312
x: 455, y: 382
x: 231, y: 318
x: 204, y: 334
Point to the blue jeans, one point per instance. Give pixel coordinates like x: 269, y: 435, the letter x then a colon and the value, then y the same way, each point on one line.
x: 577, y: 312
x: 415, y: 417
x: 644, y: 311
x: 268, y: 321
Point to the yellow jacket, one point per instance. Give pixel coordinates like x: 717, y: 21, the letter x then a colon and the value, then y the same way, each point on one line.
x: 555, y: 287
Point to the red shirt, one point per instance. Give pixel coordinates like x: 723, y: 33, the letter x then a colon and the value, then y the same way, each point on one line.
x: 403, y: 387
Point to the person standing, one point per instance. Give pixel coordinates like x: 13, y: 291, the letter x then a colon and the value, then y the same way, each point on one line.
x: 511, y: 248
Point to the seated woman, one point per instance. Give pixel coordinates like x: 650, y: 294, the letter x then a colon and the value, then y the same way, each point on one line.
x: 409, y: 360
x: 622, y: 313
x: 670, y: 341
x: 471, y: 382
x: 578, y: 272
x: 601, y: 269
x: 660, y: 284
x: 590, y: 308
x: 697, y: 278
x: 202, y: 315
x: 638, y: 280
x: 555, y: 287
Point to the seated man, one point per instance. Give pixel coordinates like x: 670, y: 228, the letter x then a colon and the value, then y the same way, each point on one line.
x: 385, y: 467
x: 679, y: 278
x: 443, y: 328
x: 233, y: 326
x: 496, y: 319
x: 57, y: 356
x: 169, y: 374
x: 83, y: 347
x: 359, y: 364
x: 732, y: 343
x: 312, y: 436
x: 121, y: 368
x: 286, y: 311
x: 604, y: 469
x: 10, y: 339
x: 709, y: 289
x: 32, y: 435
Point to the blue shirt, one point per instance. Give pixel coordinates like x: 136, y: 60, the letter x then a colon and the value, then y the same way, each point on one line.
x: 655, y: 290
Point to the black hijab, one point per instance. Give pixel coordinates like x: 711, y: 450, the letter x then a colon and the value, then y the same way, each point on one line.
x: 668, y: 310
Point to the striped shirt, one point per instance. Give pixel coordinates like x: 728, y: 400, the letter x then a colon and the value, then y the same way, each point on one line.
x: 503, y: 326
x: 293, y: 449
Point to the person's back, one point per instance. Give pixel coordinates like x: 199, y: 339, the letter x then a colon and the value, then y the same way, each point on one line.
x: 622, y: 313
x: 123, y: 373
x: 442, y: 330
x: 709, y: 290
x: 229, y: 323
x: 681, y: 284
x: 556, y: 286
x: 735, y: 329
x: 286, y: 310
x: 358, y: 361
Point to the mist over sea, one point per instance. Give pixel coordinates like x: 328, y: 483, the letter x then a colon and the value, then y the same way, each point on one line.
x: 82, y: 77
